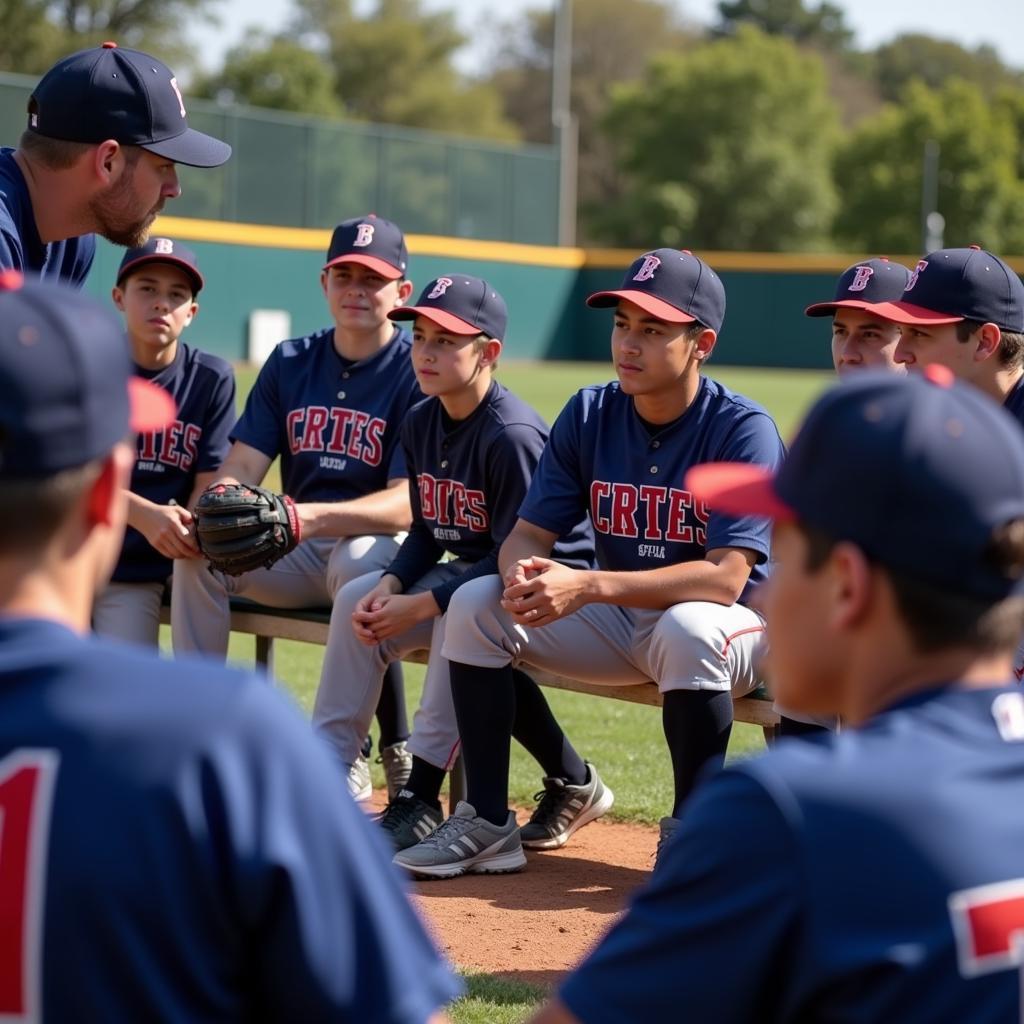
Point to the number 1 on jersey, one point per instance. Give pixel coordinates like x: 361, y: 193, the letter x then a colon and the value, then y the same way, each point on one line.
x: 26, y: 797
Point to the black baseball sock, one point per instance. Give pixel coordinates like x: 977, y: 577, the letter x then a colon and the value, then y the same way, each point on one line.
x: 791, y: 727
x: 391, y: 713
x: 697, y: 725
x: 425, y: 781
x: 537, y: 729
x: 485, y: 707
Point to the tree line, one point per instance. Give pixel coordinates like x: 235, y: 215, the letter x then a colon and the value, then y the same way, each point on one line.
x: 768, y: 131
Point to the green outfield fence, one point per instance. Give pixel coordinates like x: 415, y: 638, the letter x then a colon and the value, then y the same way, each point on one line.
x: 300, y: 171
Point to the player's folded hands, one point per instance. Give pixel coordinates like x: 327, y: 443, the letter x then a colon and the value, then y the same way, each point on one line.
x: 549, y: 591
x: 390, y: 615
x: 169, y: 529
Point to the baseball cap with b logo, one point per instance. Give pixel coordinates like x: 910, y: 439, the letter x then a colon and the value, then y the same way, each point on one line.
x: 111, y: 93
x: 863, y: 286
x: 69, y: 394
x: 162, y: 250
x: 372, y: 242
x: 950, y: 285
x: 672, y: 285
x: 460, y: 305
x: 883, y: 458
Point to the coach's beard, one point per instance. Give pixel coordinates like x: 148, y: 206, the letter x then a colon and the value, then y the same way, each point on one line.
x: 116, y: 220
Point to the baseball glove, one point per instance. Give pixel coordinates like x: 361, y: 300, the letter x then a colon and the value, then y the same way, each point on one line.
x: 240, y: 528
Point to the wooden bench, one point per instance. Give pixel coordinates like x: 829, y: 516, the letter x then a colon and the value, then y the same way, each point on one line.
x: 309, y: 625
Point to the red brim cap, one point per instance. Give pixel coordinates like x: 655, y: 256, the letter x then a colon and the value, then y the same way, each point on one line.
x: 446, y: 321
x: 828, y: 308
x: 373, y: 262
x: 908, y: 313
x: 648, y: 303
x: 737, y: 489
x: 152, y: 408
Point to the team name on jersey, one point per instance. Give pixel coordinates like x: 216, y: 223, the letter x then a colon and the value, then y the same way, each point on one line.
x: 337, y: 431
x: 175, y: 446
x: 452, y: 503
x: 648, y: 512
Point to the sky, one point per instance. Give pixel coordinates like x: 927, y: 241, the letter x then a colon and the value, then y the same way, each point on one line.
x: 999, y: 23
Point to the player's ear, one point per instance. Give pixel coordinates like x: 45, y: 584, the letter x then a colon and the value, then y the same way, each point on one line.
x: 107, y: 160
x: 851, y: 585
x: 987, y: 339
x: 323, y: 282
x: 490, y: 351
x: 107, y: 495
x: 404, y: 291
x: 705, y: 344
x: 193, y: 309
x: 117, y: 296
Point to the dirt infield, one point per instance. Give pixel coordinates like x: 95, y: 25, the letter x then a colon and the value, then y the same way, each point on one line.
x: 535, y: 925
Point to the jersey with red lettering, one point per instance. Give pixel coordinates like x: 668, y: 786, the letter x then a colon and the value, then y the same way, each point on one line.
x: 889, y: 883
x: 603, y: 459
x: 334, y: 422
x: 467, y: 479
x: 203, y: 388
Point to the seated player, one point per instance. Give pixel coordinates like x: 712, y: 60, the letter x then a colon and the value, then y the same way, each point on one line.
x: 875, y: 875
x: 861, y: 338
x: 173, y: 845
x: 156, y: 290
x: 470, y: 449
x: 668, y: 601
x: 330, y: 404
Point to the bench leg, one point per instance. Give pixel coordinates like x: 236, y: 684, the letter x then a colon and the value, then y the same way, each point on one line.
x: 265, y: 653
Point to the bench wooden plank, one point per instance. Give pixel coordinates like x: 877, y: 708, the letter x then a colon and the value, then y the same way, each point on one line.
x: 310, y: 625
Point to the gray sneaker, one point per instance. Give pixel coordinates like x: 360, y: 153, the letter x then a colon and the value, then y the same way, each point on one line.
x: 397, y: 762
x: 407, y: 820
x: 563, y: 809
x: 666, y: 830
x: 358, y: 778
x: 466, y: 844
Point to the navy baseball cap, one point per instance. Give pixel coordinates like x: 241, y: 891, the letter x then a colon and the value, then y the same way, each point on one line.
x: 672, y: 285
x: 950, y: 285
x: 460, y: 305
x: 916, y: 470
x: 864, y: 285
x: 162, y: 250
x: 111, y: 93
x: 69, y: 393
x: 372, y: 242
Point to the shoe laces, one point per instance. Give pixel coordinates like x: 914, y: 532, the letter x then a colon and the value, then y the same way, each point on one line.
x: 550, y: 797
x: 401, y: 811
x: 448, y: 831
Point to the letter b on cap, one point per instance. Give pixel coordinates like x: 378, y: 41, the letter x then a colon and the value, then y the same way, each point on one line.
x: 364, y: 235
x: 647, y: 268
x: 860, y: 279
x: 441, y: 285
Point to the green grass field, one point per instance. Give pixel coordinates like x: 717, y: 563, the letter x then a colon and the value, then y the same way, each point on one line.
x: 625, y: 740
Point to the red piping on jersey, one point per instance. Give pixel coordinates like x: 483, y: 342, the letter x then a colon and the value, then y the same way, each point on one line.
x: 452, y: 755
x: 743, y: 632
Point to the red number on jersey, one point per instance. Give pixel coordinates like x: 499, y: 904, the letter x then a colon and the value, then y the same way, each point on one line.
x: 26, y: 797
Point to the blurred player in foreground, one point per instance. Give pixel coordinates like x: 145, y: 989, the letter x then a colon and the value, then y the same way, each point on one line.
x: 173, y: 847
x: 887, y: 876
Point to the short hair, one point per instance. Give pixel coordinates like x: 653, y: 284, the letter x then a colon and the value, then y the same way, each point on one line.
x: 1011, y: 344
x: 937, y: 619
x: 60, y: 154
x: 32, y: 511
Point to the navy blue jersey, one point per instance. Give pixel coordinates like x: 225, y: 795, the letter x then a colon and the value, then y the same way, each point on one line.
x: 203, y: 386
x: 602, y: 459
x: 1014, y: 403
x: 467, y: 478
x: 175, y: 849
x: 872, y: 876
x: 20, y: 246
x: 333, y: 422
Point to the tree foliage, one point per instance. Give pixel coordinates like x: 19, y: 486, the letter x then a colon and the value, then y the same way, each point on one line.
x: 879, y: 171
x: 822, y: 26
x: 728, y: 147
x: 394, y: 64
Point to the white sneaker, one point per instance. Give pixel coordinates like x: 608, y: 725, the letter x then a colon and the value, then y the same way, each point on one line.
x: 358, y: 777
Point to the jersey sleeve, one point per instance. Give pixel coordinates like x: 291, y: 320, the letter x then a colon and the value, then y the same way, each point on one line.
x: 557, y: 497
x: 215, y: 443
x: 11, y: 257
x: 713, y: 929
x: 755, y: 440
x: 511, y: 462
x: 335, y: 935
x: 260, y: 425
